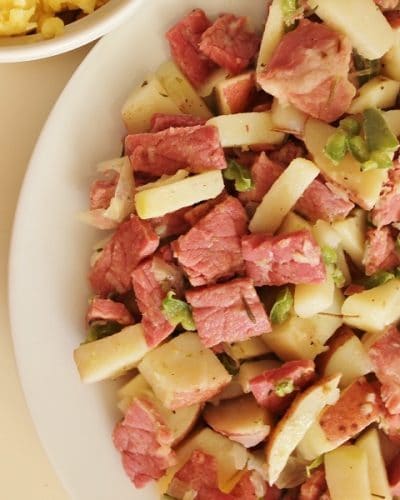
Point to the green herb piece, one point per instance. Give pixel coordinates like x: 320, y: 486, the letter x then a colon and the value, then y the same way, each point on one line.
x: 366, y: 68
x: 284, y: 387
x: 382, y: 159
x: 377, y: 279
x: 329, y: 255
x: 359, y: 149
x: 338, y: 277
x: 377, y: 133
x: 289, y: 10
x: 336, y: 147
x: 241, y: 175
x: 100, y: 329
x: 281, y: 309
x: 314, y: 464
x: 369, y: 165
x: 230, y: 364
x: 350, y: 126
x: 178, y: 311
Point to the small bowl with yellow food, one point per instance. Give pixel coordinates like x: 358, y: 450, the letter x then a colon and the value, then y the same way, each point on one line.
x: 35, y: 29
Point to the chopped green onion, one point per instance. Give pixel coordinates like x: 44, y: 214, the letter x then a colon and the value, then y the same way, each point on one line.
x: 377, y: 133
x: 382, y: 159
x: 281, y: 309
x: 289, y: 10
x: 241, y: 175
x: 359, y: 149
x: 378, y: 278
x: 350, y: 126
x: 231, y: 365
x: 284, y: 387
x: 338, y: 278
x: 329, y: 255
x: 100, y: 329
x: 336, y: 147
x: 314, y: 464
x: 178, y: 311
x: 369, y: 165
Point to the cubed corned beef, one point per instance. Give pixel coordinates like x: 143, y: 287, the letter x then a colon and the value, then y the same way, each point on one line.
x: 387, y: 208
x: 229, y: 43
x: 171, y: 224
x: 287, y: 153
x: 211, y: 249
x: 380, y: 251
x: 102, y: 191
x: 194, y: 214
x: 151, y: 280
x: 133, y: 240
x: 278, y: 260
x: 184, y: 39
x: 315, y: 486
x: 276, y: 388
x: 109, y: 310
x: 196, y: 149
x: 162, y: 121
x: 228, y: 312
x: 144, y: 441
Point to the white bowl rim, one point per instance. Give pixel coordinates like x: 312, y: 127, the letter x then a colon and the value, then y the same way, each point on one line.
x: 77, y: 34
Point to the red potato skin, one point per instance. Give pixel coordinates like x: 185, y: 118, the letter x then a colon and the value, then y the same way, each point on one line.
x: 380, y: 251
x: 162, y: 121
x: 237, y: 94
x: 387, y: 208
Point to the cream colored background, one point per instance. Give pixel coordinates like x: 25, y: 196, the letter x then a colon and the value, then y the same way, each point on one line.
x: 27, y: 93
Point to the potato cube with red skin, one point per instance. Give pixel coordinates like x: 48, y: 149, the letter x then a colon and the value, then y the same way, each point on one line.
x: 286, y: 258
x: 196, y: 149
x: 387, y: 209
x: 235, y: 94
x: 290, y: 378
x: 357, y: 407
x: 133, y: 240
x: 315, y: 486
x: 144, y: 441
x: 211, y: 249
x: 229, y: 43
x: 184, y: 39
x: 394, y: 475
x: 310, y: 69
x: 228, y: 312
x: 162, y: 121
x: 108, y: 310
x: 380, y: 251
x: 384, y: 355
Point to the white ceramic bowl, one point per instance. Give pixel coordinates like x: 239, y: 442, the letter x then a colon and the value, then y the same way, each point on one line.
x: 76, y: 34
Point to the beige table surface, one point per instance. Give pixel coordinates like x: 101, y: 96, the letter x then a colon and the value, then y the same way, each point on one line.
x: 27, y: 93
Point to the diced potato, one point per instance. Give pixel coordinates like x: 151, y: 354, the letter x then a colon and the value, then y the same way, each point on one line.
x: 218, y: 76
x: 352, y: 233
x: 391, y: 60
x: 246, y: 129
x: 380, y: 92
x: 240, y: 419
x: 230, y: 391
x: 161, y: 200
x: 313, y: 298
x: 283, y: 195
x: 304, y: 338
x: 136, y: 387
x: 392, y: 118
x: 378, y: 480
x: 346, y: 470
x: 111, y: 356
x: 347, y: 356
x: 273, y: 32
x: 252, y: 369
x: 315, y: 443
x: 180, y: 90
x: 360, y: 20
x: 286, y: 118
x: 148, y: 98
x: 297, y: 420
x: 364, y: 187
x: 250, y: 348
x: 372, y: 310
x: 226, y: 92
x: 293, y: 222
x: 183, y: 369
x: 231, y: 457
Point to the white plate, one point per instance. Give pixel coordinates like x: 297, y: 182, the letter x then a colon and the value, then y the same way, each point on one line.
x: 50, y: 248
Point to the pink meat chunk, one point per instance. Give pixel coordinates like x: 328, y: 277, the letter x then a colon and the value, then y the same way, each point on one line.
x: 295, y: 374
x: 144, y: 441
x: 171, y: 224
x: 108, y: 310
x: 238, y: 95
x: 287, y: 153
x: 133, y: 240
x: 194, y: 214
x: 228, y: 312
x: 211, y: 249
x: 315, y: 486
x: 102, y: 191
x: 196, y: 149
x: 162, y: 121
x: 380, y: 251
x: 393, y: 17
x: 387, y: 209
x: 385, y: 355
x: 310, y: 69
x: 229, y: 43
x: 152, y: 280
x: 184, y: 39
x: 394, y: 475
x: 278, y: 260
x: 357, y: 407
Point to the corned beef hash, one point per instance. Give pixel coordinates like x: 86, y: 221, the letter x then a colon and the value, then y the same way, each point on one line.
x: 248, y: 286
